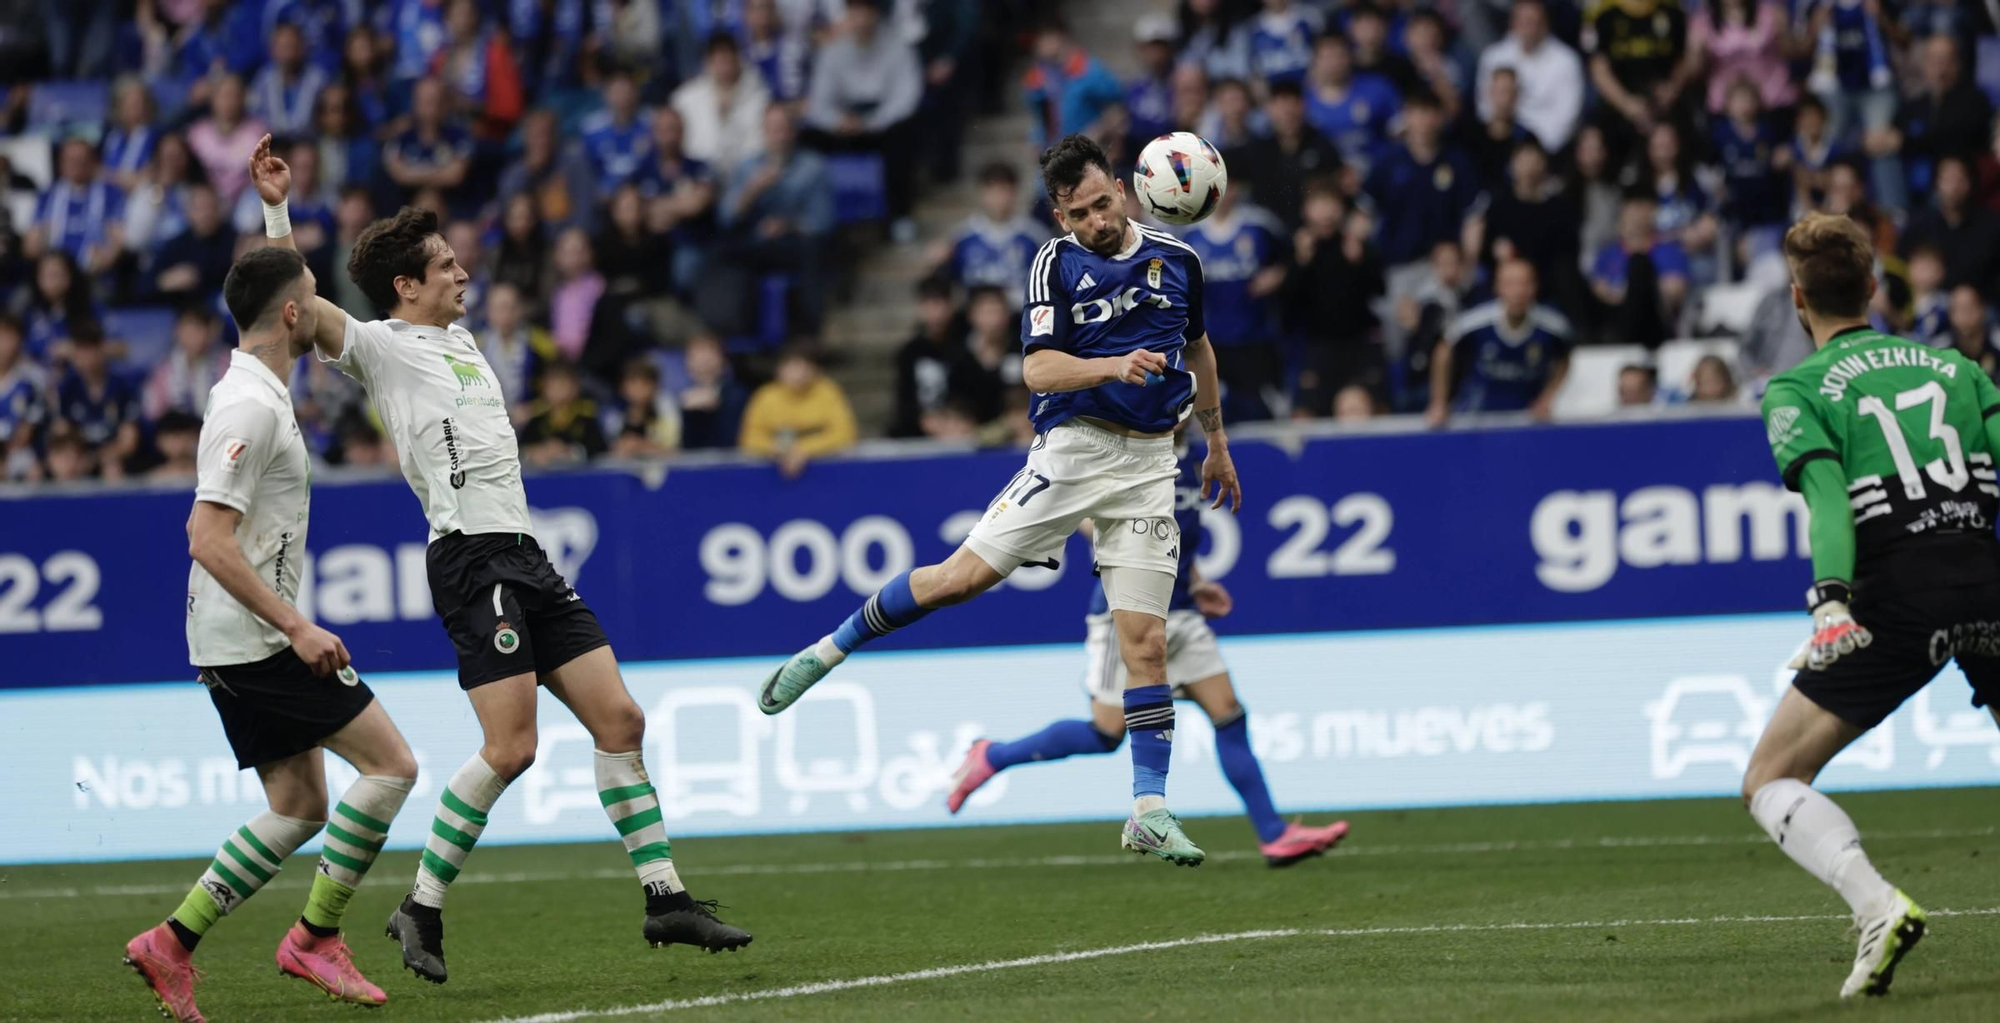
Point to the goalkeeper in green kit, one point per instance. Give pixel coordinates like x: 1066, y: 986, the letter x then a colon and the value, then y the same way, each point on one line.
x: 1892, y: 445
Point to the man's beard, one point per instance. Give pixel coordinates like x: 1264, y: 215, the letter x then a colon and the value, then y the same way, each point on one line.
x: 1115, y: 239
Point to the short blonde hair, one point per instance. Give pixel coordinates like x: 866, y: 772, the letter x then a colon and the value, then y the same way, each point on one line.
x: 1832, y: 262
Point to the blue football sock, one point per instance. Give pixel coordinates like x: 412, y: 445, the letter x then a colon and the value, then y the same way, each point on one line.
x: 891, y: 608
x: 1239, y: 765
x: 1149, y: 718
x: 1059, y: 740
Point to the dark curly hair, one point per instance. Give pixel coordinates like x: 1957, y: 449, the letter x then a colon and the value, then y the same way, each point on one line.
x: 1065, y: 164
x: 392, y: 248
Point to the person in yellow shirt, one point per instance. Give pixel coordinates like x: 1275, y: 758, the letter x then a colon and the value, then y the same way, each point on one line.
x: 798, y: 416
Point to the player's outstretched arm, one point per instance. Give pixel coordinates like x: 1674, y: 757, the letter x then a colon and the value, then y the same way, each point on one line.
x: 273, y: 179
x: 1048, y: 371
x: 1218, y: 468
x: 212, y: 544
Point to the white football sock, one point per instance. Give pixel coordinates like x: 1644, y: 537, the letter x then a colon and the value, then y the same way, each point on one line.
x: 828, y: 654
x: 1147, y: 804
x: 1818, y: 836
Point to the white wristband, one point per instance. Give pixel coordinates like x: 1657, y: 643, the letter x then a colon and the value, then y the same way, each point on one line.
x: 277, y: 220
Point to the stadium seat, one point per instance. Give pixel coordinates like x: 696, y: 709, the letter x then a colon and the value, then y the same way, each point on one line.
x: 858, y: 192
x: 1591, y: 390
x: 147, y: 331
x: 1986, y: 60
x: 773, y: 317
x: 1727, y: 308
x: 69, y: 105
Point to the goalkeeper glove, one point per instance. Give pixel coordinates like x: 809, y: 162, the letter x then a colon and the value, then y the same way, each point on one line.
x: 1835, y: 632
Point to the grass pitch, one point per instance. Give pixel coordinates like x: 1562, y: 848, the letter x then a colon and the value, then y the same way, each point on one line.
x: 1676, y: 911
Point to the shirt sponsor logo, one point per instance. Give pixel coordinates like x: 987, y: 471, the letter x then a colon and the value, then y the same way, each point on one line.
x: 468, y: 373
x: 451, y: 452
x: 1781, y: 428
x: 1041, y: 321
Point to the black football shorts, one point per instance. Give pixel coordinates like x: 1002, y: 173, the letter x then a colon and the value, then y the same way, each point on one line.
x: 275, y: 708
x: 507, y: 610
x: 1916, y: 632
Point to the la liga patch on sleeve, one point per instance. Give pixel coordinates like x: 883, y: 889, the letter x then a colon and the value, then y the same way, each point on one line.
x: 1041, y: 320
x: 233, y: 450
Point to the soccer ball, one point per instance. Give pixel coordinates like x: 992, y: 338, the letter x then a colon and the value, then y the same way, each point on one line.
x: 1180, y: 178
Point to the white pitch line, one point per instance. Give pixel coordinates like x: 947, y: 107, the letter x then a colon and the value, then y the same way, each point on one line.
x: 1610, y: 843
x: 830, y: 986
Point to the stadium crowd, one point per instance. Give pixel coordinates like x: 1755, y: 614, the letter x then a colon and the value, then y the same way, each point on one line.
x: 1430, y: 203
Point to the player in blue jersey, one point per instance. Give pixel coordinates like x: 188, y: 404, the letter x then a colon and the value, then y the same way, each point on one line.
x: 1116, y: 353
x: 1513, y: 353
x: 1194, y: 670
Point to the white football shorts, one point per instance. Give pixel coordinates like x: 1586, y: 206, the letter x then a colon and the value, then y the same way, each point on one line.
x: 1192, y: 656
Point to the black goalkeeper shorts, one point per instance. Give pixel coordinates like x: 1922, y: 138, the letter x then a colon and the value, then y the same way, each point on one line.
x: 275, y: 708
x: 1916, y: 632
x: 507, y: 610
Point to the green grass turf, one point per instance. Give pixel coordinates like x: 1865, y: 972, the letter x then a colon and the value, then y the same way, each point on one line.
x: 566, y: 936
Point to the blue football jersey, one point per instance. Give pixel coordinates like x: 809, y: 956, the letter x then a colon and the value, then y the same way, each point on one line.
x: 1187, y: 515
x: 1093, y: 307
x: 1506, y: 368
x: 1232, y: 252
x: 986, y: 253
x: 616, y: 152
x: 1356, y: 121
x: 1280, y: 46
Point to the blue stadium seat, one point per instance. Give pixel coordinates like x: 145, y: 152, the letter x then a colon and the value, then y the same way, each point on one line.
x: 1986, y: 61
x: 78, y: 104
x: 858, y: 191
x: 773, y: 318
x: 148, y: 333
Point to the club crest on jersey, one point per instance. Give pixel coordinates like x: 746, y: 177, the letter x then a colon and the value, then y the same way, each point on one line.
x: 1153, y: 272
x: 505, y: 639
x: 467, y: 373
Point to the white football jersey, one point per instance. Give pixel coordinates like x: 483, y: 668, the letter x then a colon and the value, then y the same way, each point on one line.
x: 252, y: 458
x: 442, y: 409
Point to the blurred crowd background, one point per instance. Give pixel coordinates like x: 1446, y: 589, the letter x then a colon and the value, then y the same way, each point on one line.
x: 1445, y: 208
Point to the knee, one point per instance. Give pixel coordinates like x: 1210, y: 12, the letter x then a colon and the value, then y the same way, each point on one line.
x: 622, y: 730
x: 303, y: 805
x: 511, y: 756
x: 1760, y: 775
x: 396, y: 761
x: 1145, y: 644
x: 1225, y: 711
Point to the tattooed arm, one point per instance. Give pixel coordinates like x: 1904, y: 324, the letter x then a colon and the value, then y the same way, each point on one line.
x: 1218, y: 468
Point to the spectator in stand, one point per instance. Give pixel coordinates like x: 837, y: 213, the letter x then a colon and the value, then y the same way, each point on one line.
x: 1209, y: 39
x: 1951, y: 117
x: 523, y: 256
x: 80, y: 214
x: 191, y: 265
x: 1731, y: 41
x: 1712, y: 383
x: 1277, y: 166
x: 783, y: 59
x: 1241, y: 248
x: 24, y: 400
x: 283, y: 94
x: 1549, y: 75
x: 1368, y: 31
x: 128, y: 145
x: 70, y: 457
x: 81, y: 40
x: 1776, y: 340
x: 99, y: 406
x: 1067, y: 89
x: 1513, y: 353
x: 177, y: 434
x: 578, y: 287
x: 777, y: 210
x: 866, y: 85
x: 1847, y: 195
x: 364, y: 70
x: 993, y: 336
x: 617, y: 138
x: 799, y: 416
x: 549, y: 38
x: 1354, y: 404
x: 1973, y: 331
x: 348, y: 152
x: 1968, y: 234
x: 1638, y: 386
x: 181, y: 381
x: 1853, y: 72
x: 948, y: 50
x: 1490, y: 142
x: 478, y: 68
x: 1231, y: 121
x: 996, y: 244
x: 516, y: 349
x: 562, y: 426
x: 934, y: 366
x: 1989, y: 171
x: 1353, y: 111
x: 680, y: 195
x: 1536, y: 220
x: 712, y: 402
x: 1685, y: 210
x: 1638, y: 63
x: 644, y: 423
x: 628, y: 33
x: 1593, y: 185
x: 722, y: 109
x: 1149, y: 97
x: 156, y: 208
x: 1190, y: 88
x: 1277, y: 42
x: 635, y: 260
x: 351, y: 215
x: 1425, y: 318
x: 1425, y: 46
x: 555, y: 175
x: 1424, y: 192
x: 1754, y: 168
x: 1930, y: 300
x: 201, y: 51
x: 433, y: 152
x: 220, y: 140
x: 1642, y: 278
x: 1330, y: 292
x: 58, y: 302
x: 415, y: 31
x: 1813, y: 152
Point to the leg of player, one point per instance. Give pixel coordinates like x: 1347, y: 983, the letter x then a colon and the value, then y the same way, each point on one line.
x: 905, y: 599
x: 1801, y: 738
x: 592, y: 689
x: 1149, y: 712
x: 313, y: 950
x: 1282, y: 844
x: 295, y: 788
x: 1103, y: 733
x: 506, y: 711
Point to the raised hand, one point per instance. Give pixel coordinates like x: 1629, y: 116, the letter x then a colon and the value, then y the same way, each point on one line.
x: 271, y: 175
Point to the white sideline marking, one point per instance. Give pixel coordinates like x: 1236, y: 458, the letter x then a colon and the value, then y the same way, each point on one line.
x: 830, y: 986
x: 1026, y: 862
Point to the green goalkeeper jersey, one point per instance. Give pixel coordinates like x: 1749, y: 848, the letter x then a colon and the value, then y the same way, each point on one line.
x: 1907, y: 424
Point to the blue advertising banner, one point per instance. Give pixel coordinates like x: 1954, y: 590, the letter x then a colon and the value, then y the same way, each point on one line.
x: 1339, y: 532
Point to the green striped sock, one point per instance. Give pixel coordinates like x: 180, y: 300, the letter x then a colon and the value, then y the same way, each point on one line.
x: 634, y: 809
x: 248, y: 860
x: 461, y: 817
x: 354, y: 836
